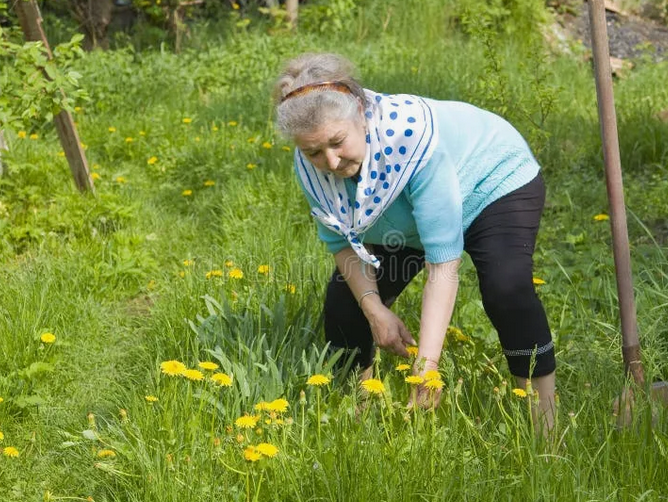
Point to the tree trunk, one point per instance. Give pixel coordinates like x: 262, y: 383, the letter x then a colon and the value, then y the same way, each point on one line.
x: 292, y: 6
x: 30, y: 19
x: 94, y: 17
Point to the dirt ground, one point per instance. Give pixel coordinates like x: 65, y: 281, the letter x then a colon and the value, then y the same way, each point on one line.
x: 631, y: 35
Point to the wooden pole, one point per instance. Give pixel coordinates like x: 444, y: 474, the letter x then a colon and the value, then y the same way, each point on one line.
x: 613, y: 173
x: 31, y: 24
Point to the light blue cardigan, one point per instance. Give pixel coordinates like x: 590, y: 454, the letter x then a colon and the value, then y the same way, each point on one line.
x: 479, y: 158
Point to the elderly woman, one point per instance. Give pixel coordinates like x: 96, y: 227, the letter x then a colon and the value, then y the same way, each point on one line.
x: 400, y: 182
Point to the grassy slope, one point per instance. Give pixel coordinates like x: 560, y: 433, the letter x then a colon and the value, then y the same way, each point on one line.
x: 103, y: 275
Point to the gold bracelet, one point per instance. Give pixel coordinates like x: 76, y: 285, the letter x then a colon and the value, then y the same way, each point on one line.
x: 367, y: 293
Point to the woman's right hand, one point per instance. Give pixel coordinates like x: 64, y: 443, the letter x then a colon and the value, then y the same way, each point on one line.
x: 389, y: 332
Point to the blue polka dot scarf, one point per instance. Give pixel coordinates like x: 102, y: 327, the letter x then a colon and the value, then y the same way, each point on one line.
x: 401, y: 136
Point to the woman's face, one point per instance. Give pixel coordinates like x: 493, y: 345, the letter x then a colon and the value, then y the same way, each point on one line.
x: 338, y: 147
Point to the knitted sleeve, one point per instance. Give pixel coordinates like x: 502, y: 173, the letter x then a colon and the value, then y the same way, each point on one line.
x: 437, y: 209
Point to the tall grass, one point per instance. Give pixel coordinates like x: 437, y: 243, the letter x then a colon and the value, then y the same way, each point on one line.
x: 121, y: 280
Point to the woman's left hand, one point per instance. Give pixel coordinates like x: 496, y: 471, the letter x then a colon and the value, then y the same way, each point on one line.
x: 423, y: 397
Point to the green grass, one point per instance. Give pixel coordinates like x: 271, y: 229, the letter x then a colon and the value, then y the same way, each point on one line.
x: 106, y: 275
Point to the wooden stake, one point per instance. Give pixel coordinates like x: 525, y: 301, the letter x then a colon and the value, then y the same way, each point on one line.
x: 31, y: 24
x: 613, y: 175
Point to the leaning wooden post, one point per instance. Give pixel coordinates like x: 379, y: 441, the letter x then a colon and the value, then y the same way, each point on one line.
x: 613, y: 174
x: 31, y: 24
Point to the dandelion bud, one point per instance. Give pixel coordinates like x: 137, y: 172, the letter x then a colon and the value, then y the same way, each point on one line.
x: 529, y: 388
x: 458, y: 387
x: 216, y: 442
x: 571, y: 417
x: 503, y: 388
x: 289, y: 421
x: 123, y: 414
x: 302, y: 398
x: 240, y: 438
x: 258, y: 431
x: 91, y: 421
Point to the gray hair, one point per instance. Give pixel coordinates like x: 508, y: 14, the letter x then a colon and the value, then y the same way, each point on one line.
x: 307, y: 112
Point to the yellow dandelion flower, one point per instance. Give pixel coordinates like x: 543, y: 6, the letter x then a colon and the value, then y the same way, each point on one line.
x: 402, y: 367
x: 214, y: 273
x: 1, y: 400
x: 95, y: 176
x: 129, y: 139
x: 142, y: 133
x: 209, y: 183
x: 77, y: 109
x: 414, y: 379
x: 318, y: 380
x: 120, y: 179
x: 235, y: 6
x: 229, y: 263
x: 22, y: 134
x: 232, y: 123
x: 84, y: 146
x: 432, y: 375
x: 188, y: 263
x: 278, y: 405
x: 267, y: 449
x: 251, y: 166
x: 285, y: 148
x: 434, y: 384
x: 151, y: 399
x: 111, y: 129
x: 10, y: 451
x: 247, y: 421
x: 251, y: 454
x: 520, y: 392
x: 34, y: 136
x: 172, y: 368
x: 208, y: 365
x: 538, y: 281
x: 412, y: 350
x: 373, y: 386
x: 194, y: 375
x: 61, y: 154
x: 187, y: 120
x: 263, y: 269
x: 106, y: 454
x: 47, y: 338
x: 291, y: 288
x: 187, y: 193
x: 261, y: 406
x: 152, y: 160
x: 235, y: 273
x: 222, y: 379
x: 2, y: 436
x: 267, y: 145
x: 182, y: 273
x: 601, y: 217
x: 214, y: 128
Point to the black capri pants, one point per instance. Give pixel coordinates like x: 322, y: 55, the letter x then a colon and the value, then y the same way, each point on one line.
x: 500, y: 242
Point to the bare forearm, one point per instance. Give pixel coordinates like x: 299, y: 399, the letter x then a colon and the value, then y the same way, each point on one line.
x: 438, y: 301
x: 359, y: 276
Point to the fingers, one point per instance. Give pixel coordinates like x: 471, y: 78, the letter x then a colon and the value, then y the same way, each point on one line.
x: 405, y: 335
